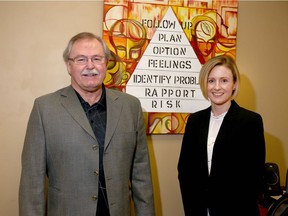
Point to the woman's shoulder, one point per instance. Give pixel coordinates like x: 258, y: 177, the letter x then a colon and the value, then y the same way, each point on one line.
x: 200, y: 115
x: 244, y: 112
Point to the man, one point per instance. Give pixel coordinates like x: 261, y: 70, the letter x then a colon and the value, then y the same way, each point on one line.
x: 85, y: 147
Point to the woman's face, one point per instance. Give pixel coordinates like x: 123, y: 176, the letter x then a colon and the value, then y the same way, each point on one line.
x: 220, y: 85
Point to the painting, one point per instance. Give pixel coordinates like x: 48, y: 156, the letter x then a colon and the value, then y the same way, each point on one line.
x: 157, y: 50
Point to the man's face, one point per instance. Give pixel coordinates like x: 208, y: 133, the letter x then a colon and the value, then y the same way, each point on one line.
x: 87, y: 77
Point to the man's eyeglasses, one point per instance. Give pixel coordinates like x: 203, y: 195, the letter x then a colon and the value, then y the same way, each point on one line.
x: 83, y: 60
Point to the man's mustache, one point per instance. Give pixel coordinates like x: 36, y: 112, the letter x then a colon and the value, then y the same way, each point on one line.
x: 88, y: 72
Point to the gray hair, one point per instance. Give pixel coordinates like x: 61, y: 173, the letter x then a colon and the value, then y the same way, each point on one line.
x: 85, y: 35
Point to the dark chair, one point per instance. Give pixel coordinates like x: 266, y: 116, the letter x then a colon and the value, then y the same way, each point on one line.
x: 280, y: 206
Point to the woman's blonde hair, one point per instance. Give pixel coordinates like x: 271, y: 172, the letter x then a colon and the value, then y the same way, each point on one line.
x: 223, y: 60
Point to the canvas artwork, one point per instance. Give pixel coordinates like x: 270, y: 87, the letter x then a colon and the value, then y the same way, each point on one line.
x: 158, y: 48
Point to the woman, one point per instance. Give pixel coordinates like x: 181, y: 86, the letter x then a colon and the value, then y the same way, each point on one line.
x: 222, y: 158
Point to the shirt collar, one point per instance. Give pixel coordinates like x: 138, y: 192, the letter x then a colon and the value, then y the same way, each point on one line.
x: 101, y: 104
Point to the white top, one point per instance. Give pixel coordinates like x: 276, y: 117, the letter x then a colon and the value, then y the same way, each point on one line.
x: 214, y: 126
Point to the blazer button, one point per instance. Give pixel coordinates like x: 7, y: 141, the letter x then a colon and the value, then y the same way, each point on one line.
x: 96, y: 173
x: 94, y: 147
x: 94, y: 198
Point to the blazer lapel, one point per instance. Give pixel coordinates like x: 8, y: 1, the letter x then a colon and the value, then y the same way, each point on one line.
x: 71, y: 103
x: 204, y: 124
x: 114, y: 109
x: 227, y: 124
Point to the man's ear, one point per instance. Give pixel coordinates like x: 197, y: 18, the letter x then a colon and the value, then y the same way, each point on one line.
x: 68, y: 65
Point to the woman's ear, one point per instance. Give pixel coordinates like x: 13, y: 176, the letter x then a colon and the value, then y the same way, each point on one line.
x: 235, y: 85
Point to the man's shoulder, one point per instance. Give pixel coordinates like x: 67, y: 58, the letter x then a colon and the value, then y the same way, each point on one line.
x: 114, y: 93
x: 53, y: 95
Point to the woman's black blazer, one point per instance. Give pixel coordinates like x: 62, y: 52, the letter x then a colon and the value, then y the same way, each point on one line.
x: 238, y: 162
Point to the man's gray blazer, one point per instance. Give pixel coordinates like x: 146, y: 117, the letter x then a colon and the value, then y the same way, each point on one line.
x: 60, y: 146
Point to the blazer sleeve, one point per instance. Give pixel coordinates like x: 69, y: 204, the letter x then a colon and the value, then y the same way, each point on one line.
x: 141, y: 180
x: 32, y: 182
x: 258, y: 140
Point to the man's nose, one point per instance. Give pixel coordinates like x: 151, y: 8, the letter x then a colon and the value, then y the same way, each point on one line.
x: 90, y: 64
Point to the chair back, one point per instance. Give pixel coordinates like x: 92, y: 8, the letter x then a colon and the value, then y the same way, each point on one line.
x: 280, y: 206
